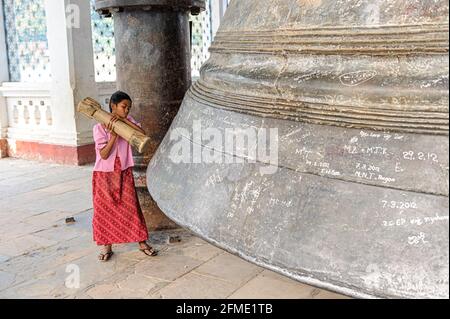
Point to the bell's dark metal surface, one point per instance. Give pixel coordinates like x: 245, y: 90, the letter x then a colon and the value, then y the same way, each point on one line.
x: 356, y: 96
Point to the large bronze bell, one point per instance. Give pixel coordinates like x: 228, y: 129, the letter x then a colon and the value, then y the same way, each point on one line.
x: 347, y: 187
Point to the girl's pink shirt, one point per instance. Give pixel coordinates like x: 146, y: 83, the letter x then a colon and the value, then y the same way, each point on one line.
x: 121, y: 148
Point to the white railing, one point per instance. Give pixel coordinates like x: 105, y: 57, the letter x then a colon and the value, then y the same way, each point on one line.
x: 28, y: 110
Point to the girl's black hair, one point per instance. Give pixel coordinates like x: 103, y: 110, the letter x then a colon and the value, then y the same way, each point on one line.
x: 118, y: 97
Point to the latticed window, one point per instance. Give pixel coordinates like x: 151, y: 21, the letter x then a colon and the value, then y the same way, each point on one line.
x: 201, y: 38
x: 26, y: 40
x: 104, y: 46
x: 202, y: 34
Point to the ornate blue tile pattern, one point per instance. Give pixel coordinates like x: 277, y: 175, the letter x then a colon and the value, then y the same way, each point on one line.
x: 26, y: 38
x: 201, y: 38
x: 104, y: 46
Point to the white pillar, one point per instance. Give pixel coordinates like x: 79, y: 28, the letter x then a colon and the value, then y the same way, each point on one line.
x: 72, y: 67
x: 215, y: 16
x: 218, y: 8
x: 4, y: 77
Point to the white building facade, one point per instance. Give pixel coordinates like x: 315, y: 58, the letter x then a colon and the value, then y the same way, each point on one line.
x: 53, y: 53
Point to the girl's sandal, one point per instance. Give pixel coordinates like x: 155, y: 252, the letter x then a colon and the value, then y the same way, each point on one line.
x: 105, y: 256
x: 151, y: 252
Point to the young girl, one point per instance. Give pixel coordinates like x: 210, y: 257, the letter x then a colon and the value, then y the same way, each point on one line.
x: 117, y: 214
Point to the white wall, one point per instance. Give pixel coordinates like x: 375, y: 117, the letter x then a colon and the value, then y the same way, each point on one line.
x: 46, y: 112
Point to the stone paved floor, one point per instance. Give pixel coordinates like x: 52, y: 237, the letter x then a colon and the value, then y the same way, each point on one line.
x: 41, y: 255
